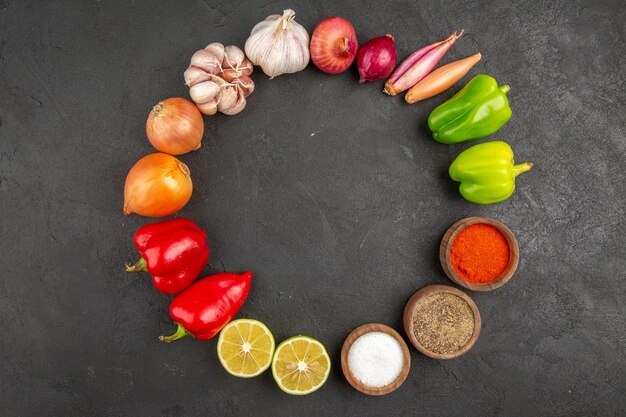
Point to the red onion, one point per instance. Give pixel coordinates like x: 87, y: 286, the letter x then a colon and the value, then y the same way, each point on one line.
x: 333, y: 45
x: 376, y: 58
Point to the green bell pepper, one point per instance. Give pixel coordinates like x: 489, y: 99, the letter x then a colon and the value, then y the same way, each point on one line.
x: 478, y: 110
x: 487, y: 172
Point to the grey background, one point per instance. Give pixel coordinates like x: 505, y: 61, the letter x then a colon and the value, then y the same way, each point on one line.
x: 330, y: 191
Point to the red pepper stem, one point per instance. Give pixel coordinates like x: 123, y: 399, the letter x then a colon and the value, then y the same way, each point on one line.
x: 140, y: 266
x: 180, y: 333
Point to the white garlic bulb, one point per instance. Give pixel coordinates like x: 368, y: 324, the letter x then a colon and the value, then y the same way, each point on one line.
x: 279, y: 45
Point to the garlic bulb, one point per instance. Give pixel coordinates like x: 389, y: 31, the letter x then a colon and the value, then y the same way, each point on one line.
x: 279, y: 45
x: 218, y: 79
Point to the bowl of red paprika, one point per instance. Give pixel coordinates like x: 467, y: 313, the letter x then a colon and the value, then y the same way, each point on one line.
x: 479, y: 253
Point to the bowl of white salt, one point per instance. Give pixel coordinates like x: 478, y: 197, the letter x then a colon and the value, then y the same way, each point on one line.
x: 375, y: 359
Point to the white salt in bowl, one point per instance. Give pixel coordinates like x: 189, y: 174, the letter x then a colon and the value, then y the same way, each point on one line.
x: 375, y: 359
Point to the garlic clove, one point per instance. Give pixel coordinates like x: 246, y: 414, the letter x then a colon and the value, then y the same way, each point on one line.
x: 245, y: 84
x: 194, y: 75
x: 228, y: 99
x: 205, y: 60
x: 246, y: 67
x: 216, y: 49
x: 204, y: 91
x: 238, y: 106
x: 229, y: 75
x: 233, y: 57
x: 219, y: 80
x: 210, y: 107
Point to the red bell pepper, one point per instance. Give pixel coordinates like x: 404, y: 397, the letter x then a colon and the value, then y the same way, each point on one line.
x: 203, y: 309
x: 172, y: 251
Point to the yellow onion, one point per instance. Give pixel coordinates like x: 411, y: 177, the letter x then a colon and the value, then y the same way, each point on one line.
x: 175, y: 126
x: 157, y: 185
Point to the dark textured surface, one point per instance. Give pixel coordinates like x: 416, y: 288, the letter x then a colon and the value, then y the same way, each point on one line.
x: 330, y: 191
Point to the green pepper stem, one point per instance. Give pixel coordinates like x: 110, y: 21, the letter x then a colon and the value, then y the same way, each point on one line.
x: 505, y: 88
x: 180, y: 333
x: 521, y: 168
x: 140, y: 266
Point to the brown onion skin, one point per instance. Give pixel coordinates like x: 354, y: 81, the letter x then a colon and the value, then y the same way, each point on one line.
x: 157, y: 185
x: 175, y: 126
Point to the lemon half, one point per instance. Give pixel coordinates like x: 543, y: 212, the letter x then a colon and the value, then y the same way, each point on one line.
x: 301, y: 365
x: 245, y: 347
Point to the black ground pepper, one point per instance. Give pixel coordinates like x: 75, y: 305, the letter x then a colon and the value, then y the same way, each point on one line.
x: 443, y: 323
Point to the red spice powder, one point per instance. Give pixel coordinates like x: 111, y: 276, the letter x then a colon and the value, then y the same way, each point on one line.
x: 480, y: 253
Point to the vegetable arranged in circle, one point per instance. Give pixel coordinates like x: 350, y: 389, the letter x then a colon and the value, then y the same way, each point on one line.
x: 487, y: 172
x: 245, y: 347
x: 376, y: 58
x: 218, y: 78
x: 441, y: 79
x: 443, y: 326
x: 333, y: 45
x: 301, y: 365
x: 478, y: 110
x: 173, y: 251
x: 157, y: 185
x: 175, y: 126
x: 279, y: 45
x: 418, y: 65
x: 203, y: 309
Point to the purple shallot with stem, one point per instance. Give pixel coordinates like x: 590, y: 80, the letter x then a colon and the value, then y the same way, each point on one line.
x: 418, y: 65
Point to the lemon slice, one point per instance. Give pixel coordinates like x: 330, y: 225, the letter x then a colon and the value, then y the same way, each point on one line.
x: 301, y: 365
x: 245, y: 347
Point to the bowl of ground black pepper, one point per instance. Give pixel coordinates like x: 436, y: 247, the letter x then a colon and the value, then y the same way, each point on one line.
x: 441, y: 321
x: 479, y: 253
